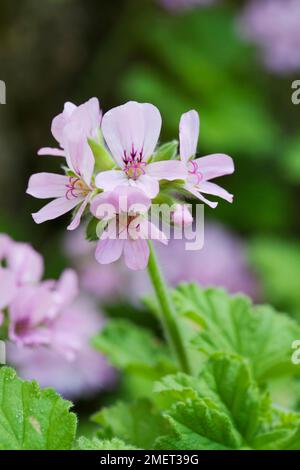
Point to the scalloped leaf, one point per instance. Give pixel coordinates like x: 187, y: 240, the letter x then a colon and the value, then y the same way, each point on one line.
x: 31, y: 418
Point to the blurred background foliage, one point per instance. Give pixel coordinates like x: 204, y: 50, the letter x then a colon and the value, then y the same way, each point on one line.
x: 59, y: 50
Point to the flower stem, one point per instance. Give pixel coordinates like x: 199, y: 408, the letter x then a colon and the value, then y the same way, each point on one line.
x: 168, y: 318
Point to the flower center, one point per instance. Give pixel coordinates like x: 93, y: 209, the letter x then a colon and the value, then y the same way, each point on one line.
x: 194, y: 172
x: 134, y: 164
x: 76, y: 188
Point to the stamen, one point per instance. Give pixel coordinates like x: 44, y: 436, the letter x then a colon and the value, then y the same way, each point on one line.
x: 134, y: 164
x: 76, y: 188
x: 195, y: 171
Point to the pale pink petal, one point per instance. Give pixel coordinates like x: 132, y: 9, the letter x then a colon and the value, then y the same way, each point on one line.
x: 80, y: 158
x: 47, y: 185
x: 52, y: 151
x: 55, y: 209
x: 215, y: 165
x: 108, y: 251
x: 131, y: 127
x: 109, y: 180
x: 26, y: 263
x: 148, y: 184
x: 60, y: 121
x: 167, y: 170
x: 136, y: 254
x: 195, y: 192
x: 85, y: 120
x: 188, y: 134
x: 76, y: 221
x: 212, y: 188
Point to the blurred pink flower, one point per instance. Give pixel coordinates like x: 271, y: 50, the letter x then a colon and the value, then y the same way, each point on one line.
x: 131, y: 132
x: 80, y: 375
x: 201, y: 170
x: 35, y: 314
x: 274, y: 26
x: 178, y: 5
x: 22, y: 266
x: 127, y: 227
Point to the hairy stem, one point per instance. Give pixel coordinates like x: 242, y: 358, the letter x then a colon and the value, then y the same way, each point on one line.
x: 167, y: 317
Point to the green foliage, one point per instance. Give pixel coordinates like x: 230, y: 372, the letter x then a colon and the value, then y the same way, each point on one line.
x: 166, y: 151
x: 33, y: 419
x: 138, y: 423
x: 103, y: 159
x: 233, y: 324
x: 95, y: 444
x: 222, y: 408
x: 134, y: 349
x: 225, y: 404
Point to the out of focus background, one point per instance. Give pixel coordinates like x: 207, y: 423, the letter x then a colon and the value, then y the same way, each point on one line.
x: 233, y: 61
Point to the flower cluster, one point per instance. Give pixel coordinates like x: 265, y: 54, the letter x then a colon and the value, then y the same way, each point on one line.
x: 114, y: 171
x: 46, y: 321
x: 274, y: 26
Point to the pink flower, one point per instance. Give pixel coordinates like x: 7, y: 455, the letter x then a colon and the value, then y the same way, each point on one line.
x: 131, y: 132
x: 274, y: 26
x: 201, y: 170
x: 68, y: 191
x: 72, y: 129
x: 79, y: 375
x: 36, y: 311
x: 23, y: 266
x: 82, y: 121
x: 124, y: 212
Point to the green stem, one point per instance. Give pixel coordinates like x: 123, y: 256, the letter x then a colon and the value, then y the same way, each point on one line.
x: 168, y: 318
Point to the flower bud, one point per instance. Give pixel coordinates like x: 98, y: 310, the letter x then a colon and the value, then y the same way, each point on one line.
x: 181, y: 215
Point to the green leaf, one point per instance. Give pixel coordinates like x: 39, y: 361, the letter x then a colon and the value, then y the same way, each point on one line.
x: 31, y: 418
x: 196, y: 425
x: 166, y: 151
x: 94, y: 229
x: 103, y: 159
x: 135, y: 349
x: 282, y: 433
x: 138, y: 423
x: 95, y: 444
x: 223, y: 405
x: 232, y: 324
